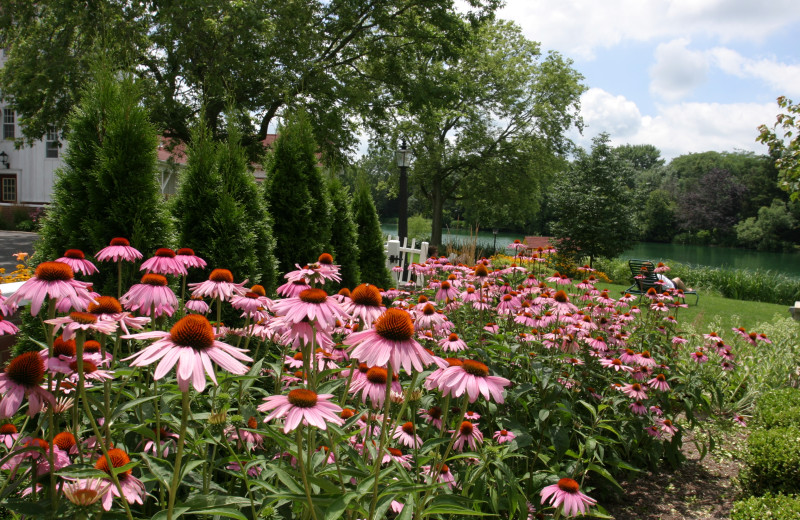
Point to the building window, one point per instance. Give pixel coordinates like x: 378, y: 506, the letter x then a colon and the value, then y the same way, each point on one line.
x: 8, y: 123
x: 51, y: 151
x: 8, y: 188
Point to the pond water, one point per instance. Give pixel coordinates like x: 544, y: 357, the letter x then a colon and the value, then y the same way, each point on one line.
x: 787, y: 263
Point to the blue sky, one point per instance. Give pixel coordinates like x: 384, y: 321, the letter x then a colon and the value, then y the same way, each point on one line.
x: 683, y: 75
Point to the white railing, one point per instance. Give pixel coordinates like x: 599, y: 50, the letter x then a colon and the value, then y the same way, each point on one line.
x: 399, y: 257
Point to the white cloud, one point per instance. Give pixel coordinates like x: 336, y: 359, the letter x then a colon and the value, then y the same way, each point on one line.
x: 677, y: 70
x: 578, y: 27
x: 604, y: 112
x: 782, y: 77
x: 675, y: 129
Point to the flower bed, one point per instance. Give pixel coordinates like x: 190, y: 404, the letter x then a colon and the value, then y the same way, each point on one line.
x: 514, y: 391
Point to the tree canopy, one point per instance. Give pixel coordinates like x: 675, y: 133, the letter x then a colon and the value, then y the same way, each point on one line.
x: 495, y: 117
x: 592, y: 203
x: 783, y: 140
x: 264, y: 56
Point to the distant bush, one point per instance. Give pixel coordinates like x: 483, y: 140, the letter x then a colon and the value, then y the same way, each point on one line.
x: 25, y: 225
x: 774, y: 507
x: 778, y: 408
x: 419, y: 228
x: 772, y: 462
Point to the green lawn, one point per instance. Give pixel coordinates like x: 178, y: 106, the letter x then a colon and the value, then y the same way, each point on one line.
x: 729, y: 313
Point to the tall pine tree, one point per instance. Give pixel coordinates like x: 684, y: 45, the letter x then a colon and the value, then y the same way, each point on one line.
x: 109, y: 185
x: 296, y: 196
x: 371, y: 258
x: 220, y: 212
x: 344, y: 235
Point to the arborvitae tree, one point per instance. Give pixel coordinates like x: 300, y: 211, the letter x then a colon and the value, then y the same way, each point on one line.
x: 109, y: 186
x: 344, y: 235
x: 220, y: 212
x: 372, y: 259
x: 296, y: 197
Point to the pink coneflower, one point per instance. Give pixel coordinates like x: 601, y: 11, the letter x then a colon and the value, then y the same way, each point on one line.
x: 661, y: 268
x: 678, y: 340
x: 503, y: 436
x: 118, y: 249
x: 645, y: 359
x: 373, y: 385
x: 566, y: 493
x: 22, y: 378
x: 151, y: 293
x: 432, y: 415
x: 132, y: 488
x: 190, y: 343
x: 312, y: 305
x: 473, y: 378
x: 444, y: 476
x: 472, y: 416
x: 165, y: 438
x: 468, y: 434
x: 446, y: 292
x: 187, y: 257
x: 245, y: 438
x: 251, y: 303
x: 491, y: 328
x: 78, y: 262
x: 302, y: 405
x: 85, y: 492
x: 390, y: 341
x: 66, y: 442
x: 219, y: 285
x: 164, y: 262
x: 638, y: 408
x: 561, y: 303
x: 508, y: 304
x: 38, y: 450
x: 659, y: 383
x: 54, y: 280
x: 667, y: 427
x: 293, y: 289
x: 699, y: 357
x: 6, y: 327
x: 81, y: 321
x: 634, y: 391
x: 8, y: 435
x: 197, y: 305
x: 397, y: 456
x: 740, y: 420
x: 365, y: 303
x: 452, y: 343
x: 108, y: 308
x: 406, y: 434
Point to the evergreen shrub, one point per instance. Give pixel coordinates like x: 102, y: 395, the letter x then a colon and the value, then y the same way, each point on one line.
x: 372, y: 259
x: 772, y: 461
x: 769, y: 506
x: 778, y: 408
x: 344, y: 234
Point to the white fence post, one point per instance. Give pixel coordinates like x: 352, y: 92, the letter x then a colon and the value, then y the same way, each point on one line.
x: 392, y: 253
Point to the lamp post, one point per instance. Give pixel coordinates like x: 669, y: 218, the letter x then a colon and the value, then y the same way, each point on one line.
x: 494, y: 232
x: 403, y: 159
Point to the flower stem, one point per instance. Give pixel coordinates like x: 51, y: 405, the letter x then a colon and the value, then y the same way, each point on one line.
x: 387, y: 404
x: 299, y: 438
x: 176, y: 477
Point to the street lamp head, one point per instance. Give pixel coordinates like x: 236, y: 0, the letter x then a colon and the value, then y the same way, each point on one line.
x: 403, y: 156
x: 495, y: 231
x: 4, y: 160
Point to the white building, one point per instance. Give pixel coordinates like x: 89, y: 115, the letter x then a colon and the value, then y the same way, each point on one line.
x: 26, y: 174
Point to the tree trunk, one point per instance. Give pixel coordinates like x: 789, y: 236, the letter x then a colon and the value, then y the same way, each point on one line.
x: 437, y: 199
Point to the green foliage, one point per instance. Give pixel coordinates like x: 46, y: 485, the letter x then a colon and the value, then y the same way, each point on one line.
x: 372, y: 259
x: 772, y: 461
x: 778, y: 408
x: 344, y: 235
x: 641, y: 156
x: 297, y: 196
x: 658, y: 223
x: 487, y: 126
x: 740, y: 284
x: 773, y: 507
x: 593, y: 204
x: 220, y: 212
x: 768, y: 231
x: 108, y: 187
x: 783, y: 140
x: 419, y: 227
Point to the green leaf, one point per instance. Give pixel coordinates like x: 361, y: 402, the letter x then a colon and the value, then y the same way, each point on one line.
x: 338, y: 507
x: 160, y: 468
x: 131, y: 404
x: 177, y: 511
